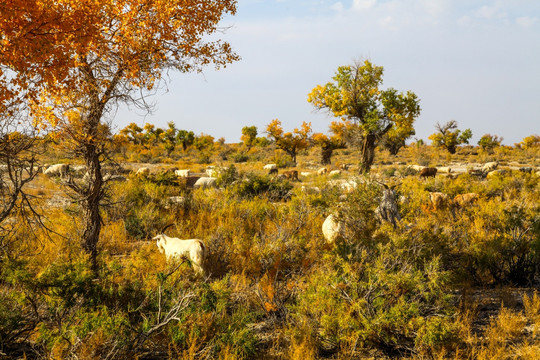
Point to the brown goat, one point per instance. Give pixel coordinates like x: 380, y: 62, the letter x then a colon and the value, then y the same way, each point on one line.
x: 439, y: 200
x: 428, y: 171
x: 291, y: 174
x: 463, y: 200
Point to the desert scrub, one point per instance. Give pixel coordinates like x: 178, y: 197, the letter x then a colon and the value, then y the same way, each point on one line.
x: 383, y: 301
x: 142, y: 204
x: 256, y: 185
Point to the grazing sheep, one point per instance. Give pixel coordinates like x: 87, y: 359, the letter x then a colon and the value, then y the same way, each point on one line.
x: 444, y: 169
x: 272, y: 172
x: 417, y: 168
x: 493, y: 173
x: 175, y: 201
x: 477, y: 172
x: 111, y: 177
x: 270, y: 166
x: 144, y: 171
x: 463, y: 200
x: 334, y: 172
x: 439, y: 200
x: 175, y: 248
x: 182, y: 173
x: 428, y: 171
x: 489, y: 166
x: 347, y: 186
x: 57, y: 170
x: 322, y: 171
x: 205, y: 182
x: 306, y: 173
x: 526, y: 169
x: 291, y: 174
x: 387, y: 209
x: 311, y: 189
x: 332, y: 229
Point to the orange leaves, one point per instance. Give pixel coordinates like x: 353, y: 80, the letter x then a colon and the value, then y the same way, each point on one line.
x: 47, y: 43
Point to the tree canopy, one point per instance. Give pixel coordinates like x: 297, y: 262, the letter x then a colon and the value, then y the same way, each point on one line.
x: 449, y: 137
x: 74, y: 61
x: 355, y: 96
x: 290, y: 142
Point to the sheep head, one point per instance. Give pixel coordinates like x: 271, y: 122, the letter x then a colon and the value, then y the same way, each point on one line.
x: 160, y: 242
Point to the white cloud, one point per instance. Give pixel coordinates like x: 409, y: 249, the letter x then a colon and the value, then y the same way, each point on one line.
x: 491, y: 12
x: 386, y: 21
x: 464, y: 20
x: 363, y: 4
x: 435, y: 7
x: 526, y: 21
x: 337, y: 6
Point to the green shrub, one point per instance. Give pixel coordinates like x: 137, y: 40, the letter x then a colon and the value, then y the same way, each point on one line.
x: 240, y: 157
x: 380, y: 302
x: 255, y: 185
x: 227, y: 177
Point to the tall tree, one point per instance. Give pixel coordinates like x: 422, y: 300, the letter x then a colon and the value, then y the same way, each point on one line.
x: 330, y: 143
x: 355, y: 97
x: 168, y: 136
x: 249, y: 136
x: 186, y: 138
x: 133, y: 133
x: 290, y: 142
x: 488, y: 142
x: 448, y: 136
x: 77, y: 60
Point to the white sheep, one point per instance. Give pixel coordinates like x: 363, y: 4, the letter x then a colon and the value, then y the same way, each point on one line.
x: 322, y: 171
x: 417, y: 168
x: 182, y: 173
x: 334, y: 172
x: 270, y: 166
x: 175, y: 248
x: 444, y: 169
x: 144, y: 171
x: 205, y: 182
x: 489, y: 166
x: 57, y: 170
x: 332, y: 229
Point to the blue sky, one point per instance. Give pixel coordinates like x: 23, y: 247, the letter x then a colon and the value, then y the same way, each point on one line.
x: 473, y: 61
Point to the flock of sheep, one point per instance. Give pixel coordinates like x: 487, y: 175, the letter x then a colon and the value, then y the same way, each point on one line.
x: 332, y: 227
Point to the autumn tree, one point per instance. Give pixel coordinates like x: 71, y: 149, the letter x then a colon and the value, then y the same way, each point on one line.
x: 290, y: 142
x: 203, y: 142
x: 133, y: 133
x: 77, y: 60
x: 152, y: 135
x: 249, y: 136
x: 330, y: 143
x: 449, y: 137
x: 529, y: 142
x: 488, y: 142
x: 185, y: 138
x: 355, y: 97
x: 404, y: 113
x: 168, y: 137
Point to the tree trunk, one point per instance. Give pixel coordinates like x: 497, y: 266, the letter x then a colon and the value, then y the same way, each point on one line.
x: 326, y: 156
x: 368, y: 152
x: 91, y: 217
